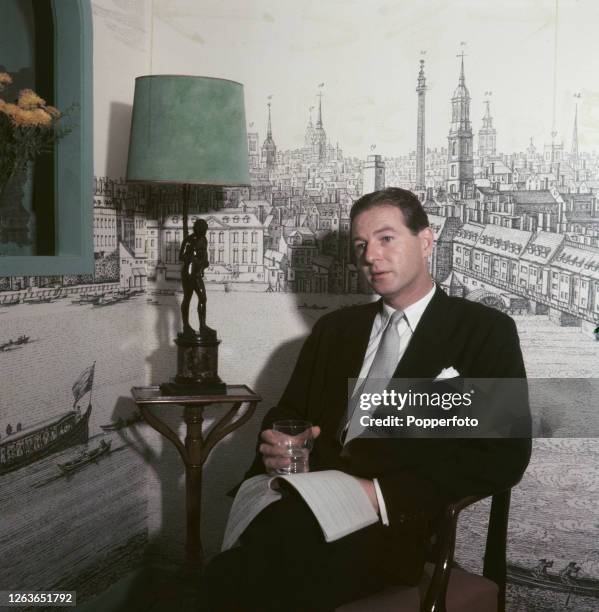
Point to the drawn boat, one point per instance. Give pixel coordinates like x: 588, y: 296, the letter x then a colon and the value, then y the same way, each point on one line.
x: 12, y: 344
x: 36, y: 441
x: 60, y: 293
x: 90, y: 298
x: 85, y: 457
x: 162, y: 292
x: 10, y: 300
x: 352, y: 305
x: 45, y: 296
x: 588, y: 587
x: 106, y: 300
x: 312, y: 306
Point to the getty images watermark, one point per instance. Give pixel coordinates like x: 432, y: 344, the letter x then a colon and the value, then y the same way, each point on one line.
x: 371, y: 404
x: 474, y: 408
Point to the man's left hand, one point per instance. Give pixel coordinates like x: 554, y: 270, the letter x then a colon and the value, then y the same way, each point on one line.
x: 369, y: 489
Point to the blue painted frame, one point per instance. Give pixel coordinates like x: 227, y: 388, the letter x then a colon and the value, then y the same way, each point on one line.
x: 74, y: 154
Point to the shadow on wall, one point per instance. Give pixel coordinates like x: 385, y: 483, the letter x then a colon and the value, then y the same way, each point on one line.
x: 119, y: 126
x: 228, y: 461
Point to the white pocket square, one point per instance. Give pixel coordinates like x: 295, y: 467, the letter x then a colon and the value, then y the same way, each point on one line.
x: 447, y: 373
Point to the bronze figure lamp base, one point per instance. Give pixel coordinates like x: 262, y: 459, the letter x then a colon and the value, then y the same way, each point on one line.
x: 197, y: 365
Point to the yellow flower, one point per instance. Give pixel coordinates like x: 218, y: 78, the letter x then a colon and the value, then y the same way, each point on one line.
x: 19, y: 116
x: 9, y: 109
x: 53, y: 111
x: 31, y: 118
x: 5, y: 79
x: 28, y: 99
x: 41, y: 117
x: 22, y: 117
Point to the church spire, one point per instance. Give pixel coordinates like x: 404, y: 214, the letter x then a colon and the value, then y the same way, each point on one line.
x: 309, y: 136
x: 487, y: 135
x: 319, y: 120
x: 320, y: 137
x: 487, y: 119
x: 269, y: 149
x: 420, y: 130
x: 575, y: 135
x: 460, y: 161
x: 269, y: 128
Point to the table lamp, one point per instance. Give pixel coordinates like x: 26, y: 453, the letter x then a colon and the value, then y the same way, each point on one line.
x: 190, y: 130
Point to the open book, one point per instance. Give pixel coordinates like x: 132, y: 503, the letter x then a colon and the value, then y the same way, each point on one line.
x: 337, y: 500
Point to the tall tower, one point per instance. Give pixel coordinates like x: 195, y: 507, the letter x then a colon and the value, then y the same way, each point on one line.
x: 269, y: 149
x: 309, y: 137
x: 373, y: 177
x: 420, y: 140
x: 460, y: 160
x: 320, y: 136
x: 575, y: 136
x: 487, y: 135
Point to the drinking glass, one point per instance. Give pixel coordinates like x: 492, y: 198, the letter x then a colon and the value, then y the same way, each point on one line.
x: 298, y: 443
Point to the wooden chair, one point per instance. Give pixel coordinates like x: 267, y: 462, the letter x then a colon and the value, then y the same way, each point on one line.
x: 447, y: 589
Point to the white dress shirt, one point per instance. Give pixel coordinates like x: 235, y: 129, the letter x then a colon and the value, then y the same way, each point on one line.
x: 405, y: 328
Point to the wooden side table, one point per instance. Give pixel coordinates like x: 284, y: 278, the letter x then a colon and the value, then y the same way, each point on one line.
x: 196, y: 449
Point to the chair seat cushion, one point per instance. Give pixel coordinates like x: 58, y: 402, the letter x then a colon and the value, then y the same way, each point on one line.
x: 466, y: 593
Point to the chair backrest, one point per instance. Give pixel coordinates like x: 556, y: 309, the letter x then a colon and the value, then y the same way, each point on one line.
x: 495, y: 564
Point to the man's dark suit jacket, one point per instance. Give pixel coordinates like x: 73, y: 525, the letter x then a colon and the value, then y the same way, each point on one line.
x: 418, y: 477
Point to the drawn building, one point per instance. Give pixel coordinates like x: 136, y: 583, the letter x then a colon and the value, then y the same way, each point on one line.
x: 299, y: 247
x: 319, y: 142
x: 574, y: 150
x: 441, y: 259
x: 269, y: 149
x: 487, y: 136
x: 460, y: 160
x: 374, y: 174
x: 235, y: 245
x: 420, y: 133
x: 253, y: 150
x: 309, y: 135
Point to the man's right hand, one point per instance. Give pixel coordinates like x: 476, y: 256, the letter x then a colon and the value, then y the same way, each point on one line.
x: 273, y: 448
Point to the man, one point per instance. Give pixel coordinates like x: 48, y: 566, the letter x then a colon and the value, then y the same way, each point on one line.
x: 284, y: 562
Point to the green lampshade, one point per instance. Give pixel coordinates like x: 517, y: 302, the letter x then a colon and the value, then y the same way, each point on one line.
x: 188, y: 129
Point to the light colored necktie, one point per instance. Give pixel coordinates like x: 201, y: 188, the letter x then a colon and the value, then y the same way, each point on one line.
x: 385, y: 360
x: 380, y: 372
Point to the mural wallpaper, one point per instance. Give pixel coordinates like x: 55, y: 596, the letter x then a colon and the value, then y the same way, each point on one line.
x: 513, y: 204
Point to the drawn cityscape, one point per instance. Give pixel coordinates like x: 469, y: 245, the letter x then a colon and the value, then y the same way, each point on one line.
x: 519, y: 231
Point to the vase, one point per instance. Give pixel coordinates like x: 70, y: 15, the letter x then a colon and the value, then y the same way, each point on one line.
x: 17, y: 219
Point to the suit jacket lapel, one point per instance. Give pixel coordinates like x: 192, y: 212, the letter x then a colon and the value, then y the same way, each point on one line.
x: 425, y: 357
x: 355, y: 341
x: 350, y: 343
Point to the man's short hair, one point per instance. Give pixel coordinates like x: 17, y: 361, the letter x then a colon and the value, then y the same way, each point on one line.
x: 411, y: 207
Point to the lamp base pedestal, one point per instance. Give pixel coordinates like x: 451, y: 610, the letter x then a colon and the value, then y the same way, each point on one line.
x: 197, y: 365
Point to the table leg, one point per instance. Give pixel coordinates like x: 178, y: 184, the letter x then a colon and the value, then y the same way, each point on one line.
x: 194, y: 453
x: 193, y: 416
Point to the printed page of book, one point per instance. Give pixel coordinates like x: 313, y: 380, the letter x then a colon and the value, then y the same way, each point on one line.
x: 253, y: 496
x: 337, y: 500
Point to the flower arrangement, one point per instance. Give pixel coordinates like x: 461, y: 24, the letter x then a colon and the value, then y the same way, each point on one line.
x: 28, y: 128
